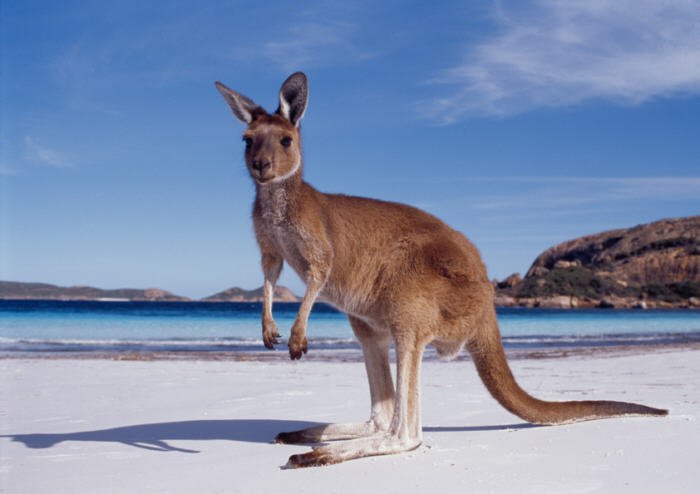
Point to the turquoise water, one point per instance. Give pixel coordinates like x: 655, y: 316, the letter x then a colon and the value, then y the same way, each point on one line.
x: 54, y: 326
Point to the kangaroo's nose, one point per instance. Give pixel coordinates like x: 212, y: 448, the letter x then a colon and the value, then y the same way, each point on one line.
x: 261, y: 165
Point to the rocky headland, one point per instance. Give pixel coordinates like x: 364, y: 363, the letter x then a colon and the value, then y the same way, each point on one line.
x: 654, y: 265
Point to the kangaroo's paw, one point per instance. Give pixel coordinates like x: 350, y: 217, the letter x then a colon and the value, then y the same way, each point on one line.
x: 298, y: 344
x: 315, y: 458
x: 329, y: 432
x: 271, y: 334
x: 293, y: 437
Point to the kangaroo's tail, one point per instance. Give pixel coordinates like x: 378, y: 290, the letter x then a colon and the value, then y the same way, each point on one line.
x: 487, y: 351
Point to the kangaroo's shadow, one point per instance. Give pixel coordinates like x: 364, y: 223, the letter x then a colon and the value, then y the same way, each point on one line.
x: 155, y: 436
x: 483, y: 428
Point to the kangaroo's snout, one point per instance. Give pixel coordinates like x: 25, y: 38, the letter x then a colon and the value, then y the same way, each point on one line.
x: 261, y: 166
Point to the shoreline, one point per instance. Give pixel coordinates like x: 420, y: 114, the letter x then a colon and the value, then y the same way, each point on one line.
x: 502, y: 301
x: 280, y: 354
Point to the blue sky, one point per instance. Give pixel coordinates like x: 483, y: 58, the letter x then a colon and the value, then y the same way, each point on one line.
x: 521, y: 124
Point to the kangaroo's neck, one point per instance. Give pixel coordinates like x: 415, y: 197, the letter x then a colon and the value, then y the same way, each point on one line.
x: 279, y: 202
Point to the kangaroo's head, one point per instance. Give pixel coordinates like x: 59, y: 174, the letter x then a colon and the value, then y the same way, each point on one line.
x: 272, y: 141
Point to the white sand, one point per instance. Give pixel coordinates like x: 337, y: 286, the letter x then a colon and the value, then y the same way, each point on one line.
x: 204, y: 426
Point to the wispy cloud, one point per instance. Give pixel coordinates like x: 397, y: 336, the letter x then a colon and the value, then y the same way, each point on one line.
x: 558, y: 53
x: 558, y: 192
x: 525, y: 196
x: 316, y: 42
x: 37, y: 153
x: 323, y: 33
x: 172, y: 47
x: 93, y: 68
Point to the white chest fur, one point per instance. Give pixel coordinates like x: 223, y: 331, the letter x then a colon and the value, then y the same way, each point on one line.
x: 274, y: 206
x: 287, y: 236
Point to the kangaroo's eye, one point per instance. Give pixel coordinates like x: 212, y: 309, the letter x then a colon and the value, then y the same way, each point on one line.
x: 248, y: 141
x: 286, y: 141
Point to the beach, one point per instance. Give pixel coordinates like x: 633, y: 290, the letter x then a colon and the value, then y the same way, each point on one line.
x: 205, y: 425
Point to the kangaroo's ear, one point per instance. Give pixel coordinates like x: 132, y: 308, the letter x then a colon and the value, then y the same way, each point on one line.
x: 294, y: 95
x: 245, y: 109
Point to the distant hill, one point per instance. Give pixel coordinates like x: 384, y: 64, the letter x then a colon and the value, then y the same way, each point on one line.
x: 650, y: 265
x: 43, y: 291
x: 14, y: 290
x: 236, y: 294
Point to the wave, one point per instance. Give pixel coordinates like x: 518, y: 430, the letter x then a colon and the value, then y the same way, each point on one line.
x: 601, y: 340
x: 237, y: 344
x: 229, y: 344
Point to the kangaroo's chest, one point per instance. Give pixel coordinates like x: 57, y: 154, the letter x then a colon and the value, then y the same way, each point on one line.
x: 290, y: 244
x: 297, y: 235
x: 290, y: 239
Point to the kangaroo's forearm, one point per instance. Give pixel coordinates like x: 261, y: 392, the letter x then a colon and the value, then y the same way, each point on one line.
x: 272, y: 266
x: 307, y: 303
x: 316, y: 279
x: 268, y: 297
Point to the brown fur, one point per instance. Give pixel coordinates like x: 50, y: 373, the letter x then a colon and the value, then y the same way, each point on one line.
x: 400, y: 274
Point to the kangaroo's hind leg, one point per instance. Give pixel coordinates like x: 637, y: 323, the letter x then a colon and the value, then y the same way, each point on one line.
x: 403, y: 433
x: 375, y: 347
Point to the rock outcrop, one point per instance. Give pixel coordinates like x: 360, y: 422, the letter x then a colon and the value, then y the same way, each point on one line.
x: 650, y: 265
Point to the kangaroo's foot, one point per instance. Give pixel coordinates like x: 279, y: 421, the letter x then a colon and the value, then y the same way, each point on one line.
x: 270, y: 333
x: 328, y: 454
x: 298, y: 344
x: 329, y: 432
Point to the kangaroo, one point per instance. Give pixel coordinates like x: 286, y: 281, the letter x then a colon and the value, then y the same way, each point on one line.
x: 401, y: 275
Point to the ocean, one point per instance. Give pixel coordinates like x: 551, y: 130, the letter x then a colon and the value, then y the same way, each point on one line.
x: 51, y: 327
